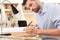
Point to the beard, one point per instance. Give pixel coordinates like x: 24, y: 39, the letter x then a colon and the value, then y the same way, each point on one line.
x: 36, y: 9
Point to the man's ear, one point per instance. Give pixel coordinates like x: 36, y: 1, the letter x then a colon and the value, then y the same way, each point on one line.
x: 32, y: 0
x: 38, y: 2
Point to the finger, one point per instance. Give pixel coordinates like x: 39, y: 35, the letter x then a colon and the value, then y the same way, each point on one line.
x: 34, y: 31
x: 30, y: 32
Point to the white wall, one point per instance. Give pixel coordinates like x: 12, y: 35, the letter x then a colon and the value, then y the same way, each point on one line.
x: 18, y: 1
x: 45, y: 1
x: 50, y: 1
x: 14, y: 1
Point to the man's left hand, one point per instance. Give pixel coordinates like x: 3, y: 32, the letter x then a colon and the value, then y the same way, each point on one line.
x: 36, y: 31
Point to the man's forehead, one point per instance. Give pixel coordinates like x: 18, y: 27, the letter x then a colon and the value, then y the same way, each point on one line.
x: 28, y: 2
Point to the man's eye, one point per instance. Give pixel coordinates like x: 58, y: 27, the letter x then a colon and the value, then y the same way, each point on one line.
x: 30, y: 5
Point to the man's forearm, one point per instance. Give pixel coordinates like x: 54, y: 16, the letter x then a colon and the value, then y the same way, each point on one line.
x: 51, y: 32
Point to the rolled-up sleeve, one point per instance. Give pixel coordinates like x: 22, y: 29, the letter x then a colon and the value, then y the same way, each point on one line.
x: 57, y: 24
x: 56, y: 17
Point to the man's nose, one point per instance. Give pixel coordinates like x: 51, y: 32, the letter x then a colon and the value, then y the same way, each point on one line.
x: 30, y: 8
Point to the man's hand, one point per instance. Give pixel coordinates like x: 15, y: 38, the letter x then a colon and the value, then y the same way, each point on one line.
x: 29, y: 29
x: 32, y: 30
x: 36, y: 31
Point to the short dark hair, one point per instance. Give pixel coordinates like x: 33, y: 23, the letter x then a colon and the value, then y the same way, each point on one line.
x: 24, y: 2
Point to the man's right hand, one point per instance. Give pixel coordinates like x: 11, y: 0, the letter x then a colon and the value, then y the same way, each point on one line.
x: 29, y: 29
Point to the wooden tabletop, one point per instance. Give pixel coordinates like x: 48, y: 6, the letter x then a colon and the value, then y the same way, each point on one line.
x: 20, y: 36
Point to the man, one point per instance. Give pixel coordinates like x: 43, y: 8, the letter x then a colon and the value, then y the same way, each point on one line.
x: 48, y: 18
